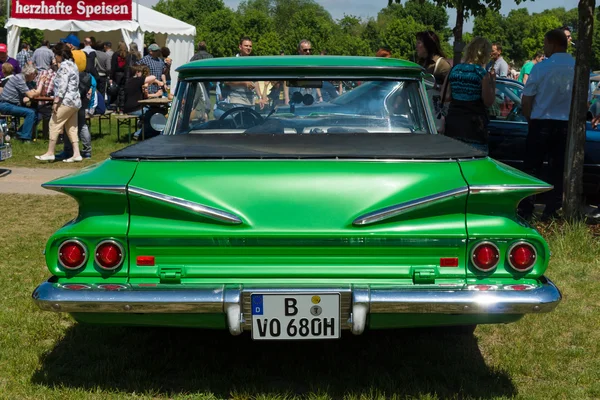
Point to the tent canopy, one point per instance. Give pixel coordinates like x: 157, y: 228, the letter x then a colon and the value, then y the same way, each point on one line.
x: 178, y: 36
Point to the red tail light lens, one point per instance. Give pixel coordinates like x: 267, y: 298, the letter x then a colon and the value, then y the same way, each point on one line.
x: 72, y: 254
x: 485, y: 256
x: 109, y: 255
x: 522, y: 256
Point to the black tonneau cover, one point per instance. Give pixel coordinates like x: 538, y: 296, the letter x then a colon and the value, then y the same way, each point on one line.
x: 288, y: 146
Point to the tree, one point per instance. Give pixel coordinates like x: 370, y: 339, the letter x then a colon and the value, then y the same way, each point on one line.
x: 399, y: 36
x: 573, y: 181
x: 194, y: 12
x: 222, y: 33
x: 490, y: 25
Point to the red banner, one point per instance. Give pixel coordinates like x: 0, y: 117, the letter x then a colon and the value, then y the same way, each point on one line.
x: 99, y: 10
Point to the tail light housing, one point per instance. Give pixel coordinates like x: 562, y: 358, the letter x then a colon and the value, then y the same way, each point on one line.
x: 485, y: 256
x: 109, y: 255
x: 72, y: 254
x: 522, y: 256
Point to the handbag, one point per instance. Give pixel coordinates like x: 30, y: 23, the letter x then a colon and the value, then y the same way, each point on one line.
x: 440, y: 109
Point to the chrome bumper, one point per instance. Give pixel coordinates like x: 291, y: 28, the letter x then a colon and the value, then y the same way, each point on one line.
x: 363, y: 300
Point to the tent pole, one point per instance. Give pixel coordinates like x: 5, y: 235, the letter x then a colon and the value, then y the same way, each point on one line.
x: 8, y: 8
x: 137, y: 11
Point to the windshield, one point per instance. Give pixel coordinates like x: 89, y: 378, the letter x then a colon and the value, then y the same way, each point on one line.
x: 298, y: 107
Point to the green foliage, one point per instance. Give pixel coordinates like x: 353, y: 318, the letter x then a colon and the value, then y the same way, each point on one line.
x: 222, y: 32
x: 194, y: 12
x: 399, y: 35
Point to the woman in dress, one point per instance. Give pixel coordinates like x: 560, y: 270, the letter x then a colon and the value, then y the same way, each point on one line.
x: 67, y: 102
x: 470, y: 89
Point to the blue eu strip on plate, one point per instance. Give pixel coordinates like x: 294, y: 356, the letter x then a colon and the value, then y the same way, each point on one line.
x: 257, y: 304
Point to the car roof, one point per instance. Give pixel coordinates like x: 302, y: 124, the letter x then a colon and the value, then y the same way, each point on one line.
x: 299, y: 66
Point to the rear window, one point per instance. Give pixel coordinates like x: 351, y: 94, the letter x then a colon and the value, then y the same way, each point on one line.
x: 298, y: 107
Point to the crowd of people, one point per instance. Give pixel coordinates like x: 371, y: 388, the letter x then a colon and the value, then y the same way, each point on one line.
x: 466, y: 91
x: 65, y: 83
x: 79, y: 77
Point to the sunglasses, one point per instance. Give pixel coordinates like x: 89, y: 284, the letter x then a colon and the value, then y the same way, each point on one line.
x: 307, y: 50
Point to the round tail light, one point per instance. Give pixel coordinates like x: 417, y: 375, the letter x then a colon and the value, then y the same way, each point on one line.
x: 485, y: 256
x: 109, y: 255
x: 72, y: 254
x: 522, y: 256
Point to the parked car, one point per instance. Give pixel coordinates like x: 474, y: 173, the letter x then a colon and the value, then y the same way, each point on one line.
x: 299, y: 225
x: 5, y: 147
x: 508, y: 133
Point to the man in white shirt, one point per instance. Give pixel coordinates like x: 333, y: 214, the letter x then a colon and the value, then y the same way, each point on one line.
x: 546, y: 104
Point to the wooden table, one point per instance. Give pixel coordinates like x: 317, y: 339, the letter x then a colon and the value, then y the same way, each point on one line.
x: 154, y: 102
x: 43, y: 98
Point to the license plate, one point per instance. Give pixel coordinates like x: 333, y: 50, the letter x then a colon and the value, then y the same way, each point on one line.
x: 295, y: 316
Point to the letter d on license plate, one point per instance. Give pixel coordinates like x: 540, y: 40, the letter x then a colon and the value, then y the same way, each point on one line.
x: 295, y: 316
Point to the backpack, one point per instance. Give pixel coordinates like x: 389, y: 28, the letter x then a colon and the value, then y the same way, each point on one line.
x: 100, y: 104
x: 85, y: 83
x: 91, y: 64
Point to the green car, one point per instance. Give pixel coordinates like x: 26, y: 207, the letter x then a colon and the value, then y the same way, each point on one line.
x: 298, y: 220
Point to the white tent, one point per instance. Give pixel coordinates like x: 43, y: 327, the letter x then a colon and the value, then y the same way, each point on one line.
x: 176, y: 35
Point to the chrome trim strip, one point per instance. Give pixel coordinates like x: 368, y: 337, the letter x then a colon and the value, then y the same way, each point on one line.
x: 218, y: 299
x: 100, y: 188
x: 509, y: 188
x: 393, y: 211
x: 206, y: 211
x: 542, y: 299
x: 52, y: 297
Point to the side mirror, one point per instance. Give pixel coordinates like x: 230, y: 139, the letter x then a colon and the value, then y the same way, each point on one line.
x: 158, y: 122
x: 429, y: 81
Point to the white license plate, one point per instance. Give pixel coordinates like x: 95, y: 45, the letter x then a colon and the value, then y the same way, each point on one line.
x: 295, y: 316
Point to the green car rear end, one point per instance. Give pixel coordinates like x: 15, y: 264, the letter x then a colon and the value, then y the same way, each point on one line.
x: 238, y: 244
x: 302, y: 235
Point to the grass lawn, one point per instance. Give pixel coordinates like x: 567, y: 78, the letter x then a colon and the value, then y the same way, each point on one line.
x: 47, y: 355
x: 102, y: 145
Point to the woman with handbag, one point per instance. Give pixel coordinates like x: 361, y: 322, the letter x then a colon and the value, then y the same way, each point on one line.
x: 470, y: 90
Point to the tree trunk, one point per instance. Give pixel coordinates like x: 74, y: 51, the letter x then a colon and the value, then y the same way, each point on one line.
x: 573, y: 180
x: 458, y: 32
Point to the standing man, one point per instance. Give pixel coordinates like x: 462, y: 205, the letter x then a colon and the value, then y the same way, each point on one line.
x: 87, y: 42
x: 108, y: 49
x: 567, y: 31
x: 4, y: 58
x: 103, y: 66
x: 546, y: 104
x: 24, y: 57
x: 156, y: 65
x: 498, y: 62
x: 304, y: 49
x: 526, y: 70
x: 79, y: 57
x: 242, y: 92
x: 43, y: 56
x: 202, y: 52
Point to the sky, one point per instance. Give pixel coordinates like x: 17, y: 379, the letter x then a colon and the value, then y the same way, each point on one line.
x: 366, y: 8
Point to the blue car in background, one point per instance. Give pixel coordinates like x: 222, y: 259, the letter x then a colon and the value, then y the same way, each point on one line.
x: 508, y: 133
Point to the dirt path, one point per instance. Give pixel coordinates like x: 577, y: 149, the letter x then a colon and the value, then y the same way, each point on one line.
x: 29, y: 180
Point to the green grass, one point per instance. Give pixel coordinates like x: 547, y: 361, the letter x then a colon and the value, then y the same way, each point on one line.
x: 102, y: 146
x: 47, y: 355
